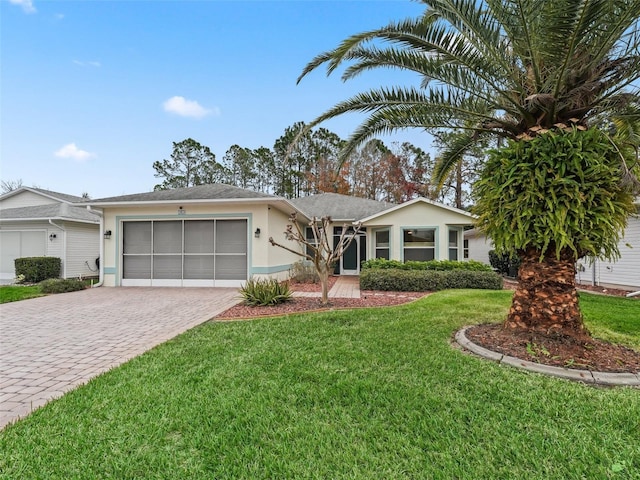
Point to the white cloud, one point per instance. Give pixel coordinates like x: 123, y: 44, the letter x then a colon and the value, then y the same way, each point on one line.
x: 27, y: 5
x: 187, y: 108
x: 88, y: 64
x: 72, y: 151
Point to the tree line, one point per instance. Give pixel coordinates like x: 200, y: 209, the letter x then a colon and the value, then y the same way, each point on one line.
x: 306, y: 161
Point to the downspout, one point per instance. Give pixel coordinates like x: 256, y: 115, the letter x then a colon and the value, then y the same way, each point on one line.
x: 101, y: 267
x: 633, y: 294
x: 64, y: 248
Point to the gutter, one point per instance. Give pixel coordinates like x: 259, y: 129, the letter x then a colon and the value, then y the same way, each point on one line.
x: 64, y: 248
x: 101, y: 268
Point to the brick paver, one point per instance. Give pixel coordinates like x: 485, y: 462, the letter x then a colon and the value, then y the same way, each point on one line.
x: 49, y: 345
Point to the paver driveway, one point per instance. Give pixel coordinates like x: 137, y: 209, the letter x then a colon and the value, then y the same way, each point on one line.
x: 49, y: 345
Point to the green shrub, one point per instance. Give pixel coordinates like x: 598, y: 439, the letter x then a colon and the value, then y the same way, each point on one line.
x: 304, y: 272
x: 439, y: 265
x: 62, y: 285
x: 265, y: 292
x: 36, y: 269
x: 504, y: 264
x: 427, y: 280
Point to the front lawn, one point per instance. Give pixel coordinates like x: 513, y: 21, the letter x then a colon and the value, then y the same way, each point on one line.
x: 374, y: 393
x: 15, y: 293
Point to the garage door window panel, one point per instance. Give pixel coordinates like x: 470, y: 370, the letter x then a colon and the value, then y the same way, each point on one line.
x: 136, y: 262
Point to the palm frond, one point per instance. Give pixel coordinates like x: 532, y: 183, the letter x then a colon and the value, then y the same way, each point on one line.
x: 450, y: 156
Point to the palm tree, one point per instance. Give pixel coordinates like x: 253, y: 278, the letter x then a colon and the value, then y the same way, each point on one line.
x: 540, y: 75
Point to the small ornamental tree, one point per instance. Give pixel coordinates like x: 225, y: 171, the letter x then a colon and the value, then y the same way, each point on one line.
x: 319, y: 248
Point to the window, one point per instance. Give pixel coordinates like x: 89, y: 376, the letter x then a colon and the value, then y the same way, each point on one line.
x: 382, y: 244
x: 419, y: 244
x: 454, y: 233
x: 465, y: 249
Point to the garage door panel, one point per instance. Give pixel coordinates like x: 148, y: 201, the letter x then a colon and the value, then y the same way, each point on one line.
x: 188, y: 252
x: 137, y: 237
x: 136, y: 266
x: 231, y: 267
x: 19, y: 244
x: 167, y: 237
x: 10, y: 248
x: 231, y: 236
x: 167, y: 266
x: 198, y: 236
x: 198, y: 267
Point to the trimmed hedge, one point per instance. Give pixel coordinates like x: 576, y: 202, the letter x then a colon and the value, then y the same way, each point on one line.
x: 36, y: 269
x: 61, y: 285
x: 427, y: 280
x: 438, y: 265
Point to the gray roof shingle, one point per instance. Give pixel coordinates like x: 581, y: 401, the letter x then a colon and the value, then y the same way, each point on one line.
x: 218, y: 191
x: 339, y: 207
x: 53, y: 211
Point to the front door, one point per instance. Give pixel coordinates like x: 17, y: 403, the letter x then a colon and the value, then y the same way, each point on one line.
x: 350, y: 260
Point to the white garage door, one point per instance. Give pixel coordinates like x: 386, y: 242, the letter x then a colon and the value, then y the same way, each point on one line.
x: 184, y: 253
x: 18, y: 244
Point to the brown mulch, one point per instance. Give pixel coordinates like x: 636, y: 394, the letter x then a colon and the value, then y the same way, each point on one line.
x: 313, y: 304
x: 558, y: 351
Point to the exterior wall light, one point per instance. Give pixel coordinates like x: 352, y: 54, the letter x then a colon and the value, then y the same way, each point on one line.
x: 107, y: 234
x: 257, y: 233
x: 52, y: 237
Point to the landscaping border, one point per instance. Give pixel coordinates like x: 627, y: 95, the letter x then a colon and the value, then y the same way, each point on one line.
x: 585, y: 376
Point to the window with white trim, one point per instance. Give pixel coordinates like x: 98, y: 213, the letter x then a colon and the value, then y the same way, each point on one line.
x: 382, y: 244
x: 454, y: 235
x: 419, y: 244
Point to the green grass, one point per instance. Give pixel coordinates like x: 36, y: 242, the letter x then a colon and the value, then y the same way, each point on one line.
x: 14, y: 294
x: 366, y: 394
x: 611, y: 318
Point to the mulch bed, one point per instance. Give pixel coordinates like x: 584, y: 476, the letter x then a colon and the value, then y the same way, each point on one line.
x: 312, y: 304
x: 558, y: 351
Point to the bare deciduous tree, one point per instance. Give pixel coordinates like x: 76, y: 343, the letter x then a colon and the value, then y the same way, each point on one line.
x: 319, y: 249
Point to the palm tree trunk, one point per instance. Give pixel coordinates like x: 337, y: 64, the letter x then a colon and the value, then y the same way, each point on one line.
x: 546, y: 299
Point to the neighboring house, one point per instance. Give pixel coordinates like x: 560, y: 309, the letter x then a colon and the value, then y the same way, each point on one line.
x: 40, y: 223
x: 624, y: 273
x: 218, y: 235
x: 477, y: 245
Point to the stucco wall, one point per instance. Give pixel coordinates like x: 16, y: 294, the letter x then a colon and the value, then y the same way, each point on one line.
x: 264, y: 260
x: 417, y: 215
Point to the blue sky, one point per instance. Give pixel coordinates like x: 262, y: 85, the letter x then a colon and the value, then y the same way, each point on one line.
x: 93, y: 92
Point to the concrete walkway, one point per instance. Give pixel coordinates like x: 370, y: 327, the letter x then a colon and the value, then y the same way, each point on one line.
x: 347, y: 286
x: 49, y: 345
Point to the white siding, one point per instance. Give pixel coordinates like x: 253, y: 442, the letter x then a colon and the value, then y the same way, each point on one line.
x: 626, y: 271
x: 82, y: 247
x: 26, y: 199
x: 479, y: 246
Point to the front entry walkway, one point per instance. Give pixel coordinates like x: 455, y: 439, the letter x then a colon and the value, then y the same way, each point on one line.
x: 50, y: 345
x: 346, y: 286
